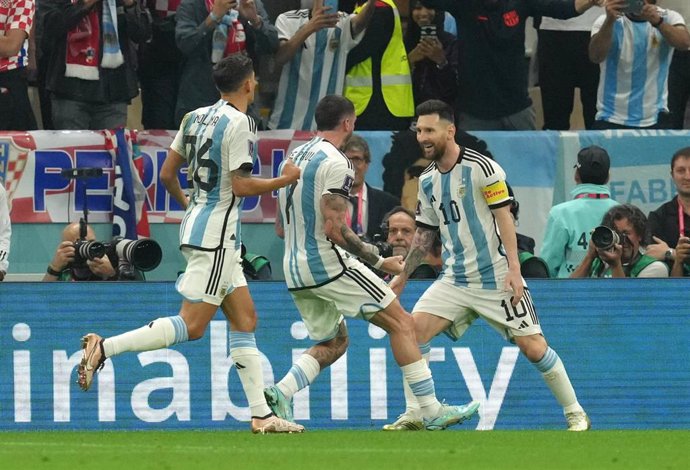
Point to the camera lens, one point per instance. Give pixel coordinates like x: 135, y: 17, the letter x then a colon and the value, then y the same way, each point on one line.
x: 604, y: 238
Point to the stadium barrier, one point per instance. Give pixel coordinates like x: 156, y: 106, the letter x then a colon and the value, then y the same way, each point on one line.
x: 622, y: 341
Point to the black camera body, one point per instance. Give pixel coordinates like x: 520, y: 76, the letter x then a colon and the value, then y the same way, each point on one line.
x: 384, y: 248
x: 605, y: 238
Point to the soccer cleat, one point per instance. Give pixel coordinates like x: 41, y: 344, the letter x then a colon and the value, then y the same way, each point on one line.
x: 92, y: 361
x: 449, y: 415
x: 407, y: 421
x: 274, y: 424
x: 578, y: 421
x: 281, y: 406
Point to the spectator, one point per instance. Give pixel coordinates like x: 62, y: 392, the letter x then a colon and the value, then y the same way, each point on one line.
x: 399, y: 227
x: 679, y: 73
x: 92, y: 85
x: 433, y: 56
x: 313, y: 50
x: 569, y: 223
x: 159, y: 67
x: 624, y: 256
x: 634, y: 50
x: 67, y: 266
x: 671, y: 220
x: 5, y: 231
x: 16, y: 20
x: 493, y: 93
x: 207, y: 31
x: 563, y: 66
x: 367, y: 205
x: 378, y: 79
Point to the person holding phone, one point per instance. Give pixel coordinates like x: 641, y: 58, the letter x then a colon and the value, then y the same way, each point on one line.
x: 433, y: 56
x: 634, y: 52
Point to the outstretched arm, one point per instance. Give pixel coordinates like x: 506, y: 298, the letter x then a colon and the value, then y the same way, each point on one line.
x: 422, y: 243
x: 361, y: 20
x: 244, y: 184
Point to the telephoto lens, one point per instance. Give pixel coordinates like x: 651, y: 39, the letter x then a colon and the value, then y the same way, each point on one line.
x: 604, y: 238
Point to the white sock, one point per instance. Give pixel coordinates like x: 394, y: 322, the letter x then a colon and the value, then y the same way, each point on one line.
x: 411, y: 404
x: 418, y: 376
x: 302, y: 373
x: 556, y: 377
x: 247, y: 361
x: 160, y: 333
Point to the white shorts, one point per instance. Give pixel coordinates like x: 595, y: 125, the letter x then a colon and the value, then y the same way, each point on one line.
x: 462, y: 305
x: 210, y: 275
x: 358, y: 293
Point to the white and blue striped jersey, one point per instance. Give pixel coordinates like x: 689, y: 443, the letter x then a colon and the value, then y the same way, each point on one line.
x: 633, y: 83
x: 316, y: 70
x: 459, y: 204
x: 311, y: 259
x: 215, y: 140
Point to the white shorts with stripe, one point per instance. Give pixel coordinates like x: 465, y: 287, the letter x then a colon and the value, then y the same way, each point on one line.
x: 210, y: 275
x: 463, y: 305
x: 357, y: 293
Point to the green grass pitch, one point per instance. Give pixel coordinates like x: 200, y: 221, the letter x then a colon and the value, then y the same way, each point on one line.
x: 347, y: 449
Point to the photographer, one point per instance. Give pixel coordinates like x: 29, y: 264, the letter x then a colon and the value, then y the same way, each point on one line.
x: 399, y: 228
x: 615, y: 247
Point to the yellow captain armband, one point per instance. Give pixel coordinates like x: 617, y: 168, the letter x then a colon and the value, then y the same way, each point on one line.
x: 495, y: 193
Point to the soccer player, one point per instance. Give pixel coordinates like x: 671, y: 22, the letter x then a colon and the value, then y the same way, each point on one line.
x: 218, y: 144
x: 464, y: 194
x: 327, y: 282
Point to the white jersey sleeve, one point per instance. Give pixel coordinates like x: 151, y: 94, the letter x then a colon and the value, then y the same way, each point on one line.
x: 493, y: 185
x: 339, y: 178
x: 239, y: 143
x: 426, y: 216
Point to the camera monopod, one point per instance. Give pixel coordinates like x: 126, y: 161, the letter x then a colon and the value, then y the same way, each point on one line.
x: 82, y: 174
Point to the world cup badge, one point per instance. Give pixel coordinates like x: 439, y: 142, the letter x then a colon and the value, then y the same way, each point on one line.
x: 461, y: 191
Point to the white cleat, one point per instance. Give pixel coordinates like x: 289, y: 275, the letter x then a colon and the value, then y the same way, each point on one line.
x: 578, y: 421
x: 92, y: 361
x: 274, y: 424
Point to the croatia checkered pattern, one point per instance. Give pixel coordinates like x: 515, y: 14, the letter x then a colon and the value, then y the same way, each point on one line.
x: 16, y: 14
x: 163, y: 8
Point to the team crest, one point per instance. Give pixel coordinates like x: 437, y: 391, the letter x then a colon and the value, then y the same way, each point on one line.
x: 511, y: 18
x: 334, y: 44
x: 461, y: 191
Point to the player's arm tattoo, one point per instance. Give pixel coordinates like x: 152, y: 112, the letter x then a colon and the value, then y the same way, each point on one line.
x: 421, y: 246
x: 335, y: 208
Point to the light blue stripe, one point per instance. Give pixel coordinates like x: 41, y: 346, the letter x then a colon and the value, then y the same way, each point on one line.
x: 459, y: 275
x: 317, y: 72
x: 639, y: 75
x: 547, y: 362
x: 314, y: 261
x: 333, y: 78
x: 611, y: 75
x: 240, y: 339
x: 487, y: 276
x: 425, y: 348
x: 286, y: 116
x: 299, y: 375
x: 423, y: 388
x: 181, y: 333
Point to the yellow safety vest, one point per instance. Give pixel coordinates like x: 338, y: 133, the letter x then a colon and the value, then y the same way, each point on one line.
x: 396, y: 81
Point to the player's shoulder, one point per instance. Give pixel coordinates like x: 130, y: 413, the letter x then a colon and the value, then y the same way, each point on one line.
x: 477, y: 159
x: 429, y: 171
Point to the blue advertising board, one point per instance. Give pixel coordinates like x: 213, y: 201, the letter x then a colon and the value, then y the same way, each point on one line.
x: 624, y: 344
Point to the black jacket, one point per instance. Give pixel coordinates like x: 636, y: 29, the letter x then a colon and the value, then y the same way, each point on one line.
x: 663, y: 223
x: 114, y: 85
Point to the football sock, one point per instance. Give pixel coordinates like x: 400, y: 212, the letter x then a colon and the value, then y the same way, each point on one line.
x: 411, y: 403
x: 160, y: 333
x: 303, y: 372
x: 555, y: 376
x: 247, y: 361
x: 418, y: 376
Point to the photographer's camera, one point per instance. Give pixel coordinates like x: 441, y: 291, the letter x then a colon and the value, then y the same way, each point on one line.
x: 605, y: 238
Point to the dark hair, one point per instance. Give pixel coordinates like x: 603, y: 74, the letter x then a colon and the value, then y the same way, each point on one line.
x: 356, y: 142
x: 627, y: 211
x: 443, y: 109
x: 394, y: 211
x: 231, y: 72
x: 331, y: 110
x: 684, y: 152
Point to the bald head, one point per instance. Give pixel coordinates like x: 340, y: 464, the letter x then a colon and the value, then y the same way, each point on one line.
x: 71, y: 233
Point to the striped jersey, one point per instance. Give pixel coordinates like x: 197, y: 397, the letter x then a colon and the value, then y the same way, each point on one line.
x: 16, y: 14
x: 459, y: 204
x: 317, y: 69
x: 633, y: 83
x: 311, y: 259
x: 215, y: 140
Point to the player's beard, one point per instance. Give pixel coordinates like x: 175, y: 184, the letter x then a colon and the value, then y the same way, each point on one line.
x: 436, y: 152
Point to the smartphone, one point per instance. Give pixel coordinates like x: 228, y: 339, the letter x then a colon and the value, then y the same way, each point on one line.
x: 428, y: 31
x: 634, y: 7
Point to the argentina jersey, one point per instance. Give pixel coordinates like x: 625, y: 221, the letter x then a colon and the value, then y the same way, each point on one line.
x: 311, y: 259
x: 633, y: 88
x: 459, y: 204
x: 215, y: 140
x: 317, y: 69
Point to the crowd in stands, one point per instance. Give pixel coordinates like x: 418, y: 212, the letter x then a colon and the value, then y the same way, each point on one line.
x: 90, y: 58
